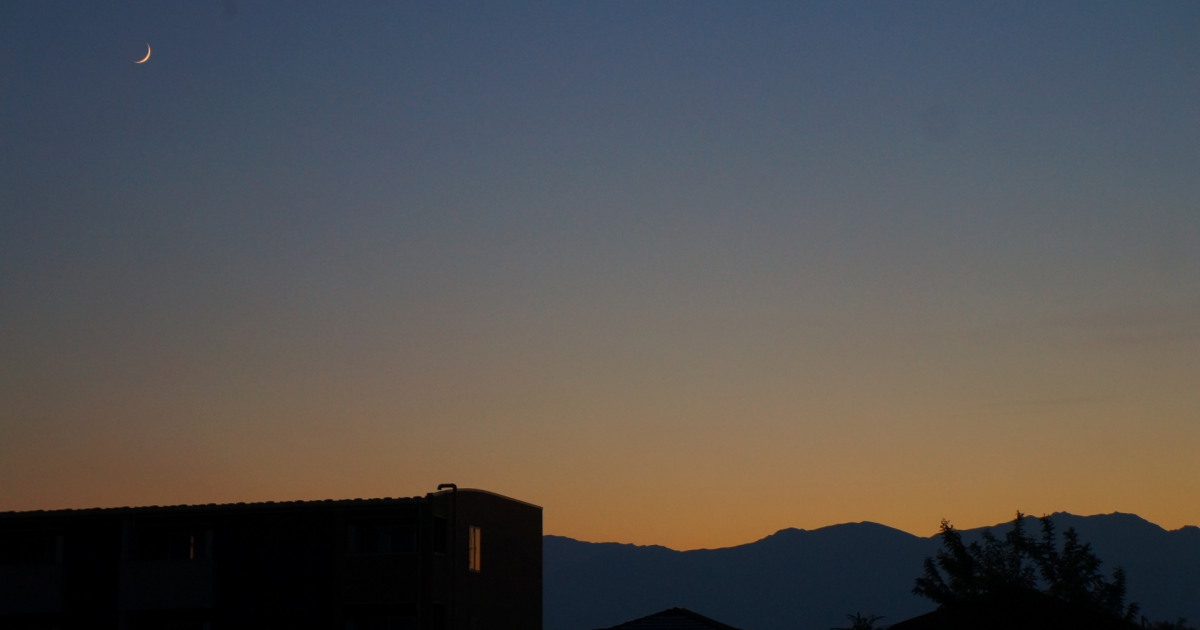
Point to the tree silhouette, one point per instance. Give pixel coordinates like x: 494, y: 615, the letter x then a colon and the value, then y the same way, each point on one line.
x: 1021, y: 563
x: 861, y: 622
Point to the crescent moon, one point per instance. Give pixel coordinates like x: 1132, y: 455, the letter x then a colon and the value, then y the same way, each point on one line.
x: 147, y: 55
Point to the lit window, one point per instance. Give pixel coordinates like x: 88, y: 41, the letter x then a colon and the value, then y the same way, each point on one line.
x: 473, y: 548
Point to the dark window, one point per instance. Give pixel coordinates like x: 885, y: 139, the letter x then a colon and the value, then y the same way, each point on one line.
x: 160, y: 543
x: 365, y: 538
x: 30, y: 548
x: 440, y: 535
x: 404, y: 540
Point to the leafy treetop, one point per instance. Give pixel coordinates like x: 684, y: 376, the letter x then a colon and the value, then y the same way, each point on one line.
x: 861, y: 622
x: 1069, y: 572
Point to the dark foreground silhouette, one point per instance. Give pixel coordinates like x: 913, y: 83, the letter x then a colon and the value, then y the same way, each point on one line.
x: 1024, y: 570
x: 797, y: 579
x: 673, y: 619
x: 1019, y: 581
x: 450, y: 560
x: 1018, y: 609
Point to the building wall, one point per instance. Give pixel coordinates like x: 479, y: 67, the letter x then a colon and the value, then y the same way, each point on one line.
x: 352, y: 565
x: 506, y: 593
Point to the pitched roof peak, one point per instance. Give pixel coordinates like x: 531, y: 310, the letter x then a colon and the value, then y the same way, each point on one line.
x: 673, y: 619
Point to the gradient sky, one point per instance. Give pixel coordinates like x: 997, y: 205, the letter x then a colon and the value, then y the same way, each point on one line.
x: 682, y: 273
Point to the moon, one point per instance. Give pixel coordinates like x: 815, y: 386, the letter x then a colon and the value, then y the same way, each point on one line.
x: 147, y: 55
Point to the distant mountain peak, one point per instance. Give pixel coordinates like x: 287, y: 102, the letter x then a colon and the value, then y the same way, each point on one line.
x: 1114, y: 523
x: 800, y: 579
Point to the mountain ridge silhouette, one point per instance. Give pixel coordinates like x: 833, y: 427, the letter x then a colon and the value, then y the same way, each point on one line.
x: 796, y: 579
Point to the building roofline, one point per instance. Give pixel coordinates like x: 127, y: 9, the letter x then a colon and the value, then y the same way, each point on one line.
x: 495, y: 494
x: 257, y: 505
x: 694, y: 616
x: 212, y: 506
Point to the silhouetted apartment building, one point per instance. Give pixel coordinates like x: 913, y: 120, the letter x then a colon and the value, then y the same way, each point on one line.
x: 451, y: 560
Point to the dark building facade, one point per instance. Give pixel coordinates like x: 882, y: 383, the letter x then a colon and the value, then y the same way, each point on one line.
x: 451, y: 560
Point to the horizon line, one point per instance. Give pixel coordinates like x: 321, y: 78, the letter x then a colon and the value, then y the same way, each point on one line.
x: 931, y: 536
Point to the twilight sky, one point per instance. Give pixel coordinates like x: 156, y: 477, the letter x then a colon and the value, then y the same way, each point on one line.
x: 682, y: 273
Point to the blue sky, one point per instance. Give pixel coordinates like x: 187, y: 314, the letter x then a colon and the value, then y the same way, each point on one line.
x: 558, y: 249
